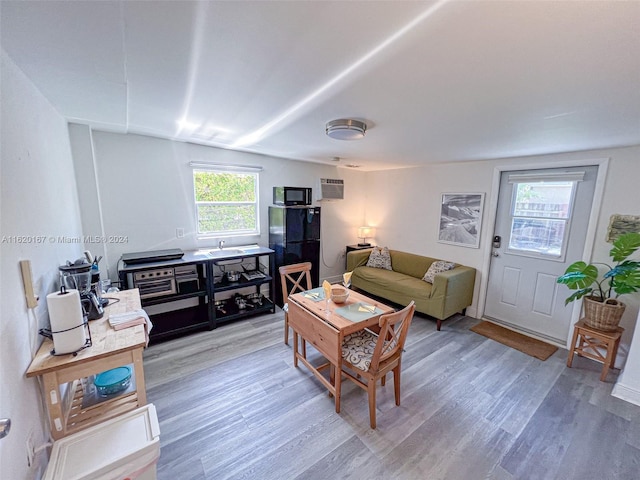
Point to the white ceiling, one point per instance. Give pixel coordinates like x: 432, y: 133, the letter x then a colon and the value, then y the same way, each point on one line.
x: 434, y: 81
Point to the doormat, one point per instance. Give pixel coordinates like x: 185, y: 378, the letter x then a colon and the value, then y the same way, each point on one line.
x: 531, y: 346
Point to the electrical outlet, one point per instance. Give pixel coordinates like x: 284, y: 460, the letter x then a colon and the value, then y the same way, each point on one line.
x: 179, y: 232
x: 31, y: 450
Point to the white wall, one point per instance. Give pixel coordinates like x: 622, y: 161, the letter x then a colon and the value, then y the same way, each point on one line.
x: 145, y: 190
x: 141, y: 189
x: 628, y: 384
x: 38, y: 201
x: 405, y: 206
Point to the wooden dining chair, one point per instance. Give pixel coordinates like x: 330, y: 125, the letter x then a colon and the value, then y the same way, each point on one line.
x: 369, y: 356
x: 294, y: 278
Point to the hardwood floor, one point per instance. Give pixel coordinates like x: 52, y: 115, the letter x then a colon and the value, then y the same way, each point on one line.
x: 231, y: 405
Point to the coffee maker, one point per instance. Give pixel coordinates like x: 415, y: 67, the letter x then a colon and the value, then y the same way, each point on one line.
x: 77, y: 276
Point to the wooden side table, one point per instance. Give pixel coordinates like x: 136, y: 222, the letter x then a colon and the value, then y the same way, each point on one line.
x: 590, y: 341
x: 111, y: 348
x: 352, y: 248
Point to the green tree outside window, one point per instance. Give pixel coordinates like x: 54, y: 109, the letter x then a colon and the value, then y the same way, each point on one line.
x: 226, y: 202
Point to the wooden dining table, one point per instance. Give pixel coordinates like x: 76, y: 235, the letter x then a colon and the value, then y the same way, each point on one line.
x: 324, y: 324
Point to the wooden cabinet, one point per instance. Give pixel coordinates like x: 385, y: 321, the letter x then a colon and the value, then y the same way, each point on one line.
x: 65, y: 376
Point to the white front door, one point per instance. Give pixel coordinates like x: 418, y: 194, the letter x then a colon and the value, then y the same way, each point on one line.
x: 541, y: 222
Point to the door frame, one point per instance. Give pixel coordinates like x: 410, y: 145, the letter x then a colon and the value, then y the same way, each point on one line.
x: 603, y: 166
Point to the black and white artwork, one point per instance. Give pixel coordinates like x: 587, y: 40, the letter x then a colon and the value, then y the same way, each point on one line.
x: 461, y: 219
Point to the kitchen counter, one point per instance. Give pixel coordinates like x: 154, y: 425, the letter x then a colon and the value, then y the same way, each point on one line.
x: 200, y: 256
x: 194, y: 292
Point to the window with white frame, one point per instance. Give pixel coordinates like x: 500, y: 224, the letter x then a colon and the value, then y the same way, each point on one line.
x: 541, y: 210
x: 226, y: 202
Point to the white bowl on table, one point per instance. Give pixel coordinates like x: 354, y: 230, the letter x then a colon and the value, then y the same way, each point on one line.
x: 339, y: 294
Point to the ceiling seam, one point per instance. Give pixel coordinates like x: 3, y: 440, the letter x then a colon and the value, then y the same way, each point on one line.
x: 123, y: 25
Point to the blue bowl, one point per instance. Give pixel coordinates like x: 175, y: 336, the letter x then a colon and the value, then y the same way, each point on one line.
x: 113, y: 381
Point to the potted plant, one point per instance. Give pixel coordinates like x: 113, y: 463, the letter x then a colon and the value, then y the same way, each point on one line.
x: 602, y: 308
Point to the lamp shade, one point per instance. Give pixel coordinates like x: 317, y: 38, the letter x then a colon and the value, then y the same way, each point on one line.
x: 364, y: 232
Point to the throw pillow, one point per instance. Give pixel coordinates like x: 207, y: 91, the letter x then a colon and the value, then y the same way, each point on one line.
x: 380, y: 258
x: 437, y: 267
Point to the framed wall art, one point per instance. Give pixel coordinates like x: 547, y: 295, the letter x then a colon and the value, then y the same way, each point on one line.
x: 461, y: 219
x: 619, y: 224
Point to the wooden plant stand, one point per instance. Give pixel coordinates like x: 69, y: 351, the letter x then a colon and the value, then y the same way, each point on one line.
x: 590, y: 341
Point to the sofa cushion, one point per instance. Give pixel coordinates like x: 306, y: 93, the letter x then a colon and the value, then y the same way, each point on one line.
x: 395, y: 282
x: 438, y: 266
x: 410, y: 264
x: 379, y: 258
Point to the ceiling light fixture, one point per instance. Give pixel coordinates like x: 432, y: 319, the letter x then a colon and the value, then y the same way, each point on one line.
x: 346, y: 129
x: 288, y: 114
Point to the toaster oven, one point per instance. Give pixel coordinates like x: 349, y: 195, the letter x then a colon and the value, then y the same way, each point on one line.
x: 157, y: 282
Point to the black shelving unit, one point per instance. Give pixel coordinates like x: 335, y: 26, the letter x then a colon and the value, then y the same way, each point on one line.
x: 221, y: 288
x: 160, y: 301
x: 179, y: 322
x: 205, y: 315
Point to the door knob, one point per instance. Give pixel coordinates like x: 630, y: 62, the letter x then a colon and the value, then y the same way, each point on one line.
x: 495, y: 254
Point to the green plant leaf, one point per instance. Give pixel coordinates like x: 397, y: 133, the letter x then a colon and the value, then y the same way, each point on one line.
x: 624, y: 246
x: 630, y: 265
x: 620, y: 279
x: 579, y: 275
x: 625, y: 267
x: 628, y: 281
x: 578, y: 295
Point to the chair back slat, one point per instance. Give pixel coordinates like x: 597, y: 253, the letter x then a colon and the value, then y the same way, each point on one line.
x: 295, y: 278
x: 393, y: 333
x: 298, y: 276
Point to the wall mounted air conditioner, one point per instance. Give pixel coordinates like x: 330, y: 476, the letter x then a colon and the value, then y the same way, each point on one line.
x: 331, y: 189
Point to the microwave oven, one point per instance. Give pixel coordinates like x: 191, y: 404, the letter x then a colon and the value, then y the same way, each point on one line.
x: 290, y: 196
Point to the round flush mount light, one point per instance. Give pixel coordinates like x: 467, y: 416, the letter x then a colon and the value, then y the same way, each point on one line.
x: 346, y: 129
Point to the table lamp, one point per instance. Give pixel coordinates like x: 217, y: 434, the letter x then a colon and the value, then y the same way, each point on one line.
x: 363, y: 233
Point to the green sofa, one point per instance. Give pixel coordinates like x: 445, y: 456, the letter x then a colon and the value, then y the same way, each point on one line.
x: 451, y: 292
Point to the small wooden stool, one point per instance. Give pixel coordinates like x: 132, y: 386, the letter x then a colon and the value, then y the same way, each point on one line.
x: 592, y: 339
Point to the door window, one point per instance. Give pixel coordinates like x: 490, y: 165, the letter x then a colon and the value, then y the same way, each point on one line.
x: 540, y: 217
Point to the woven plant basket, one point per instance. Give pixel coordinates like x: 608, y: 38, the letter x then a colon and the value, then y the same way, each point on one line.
x: 603, y: 315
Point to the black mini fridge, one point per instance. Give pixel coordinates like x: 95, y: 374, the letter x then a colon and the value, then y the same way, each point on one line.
x: 294, y: 235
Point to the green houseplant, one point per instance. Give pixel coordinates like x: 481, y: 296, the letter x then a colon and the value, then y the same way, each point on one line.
x: 603, y: 310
